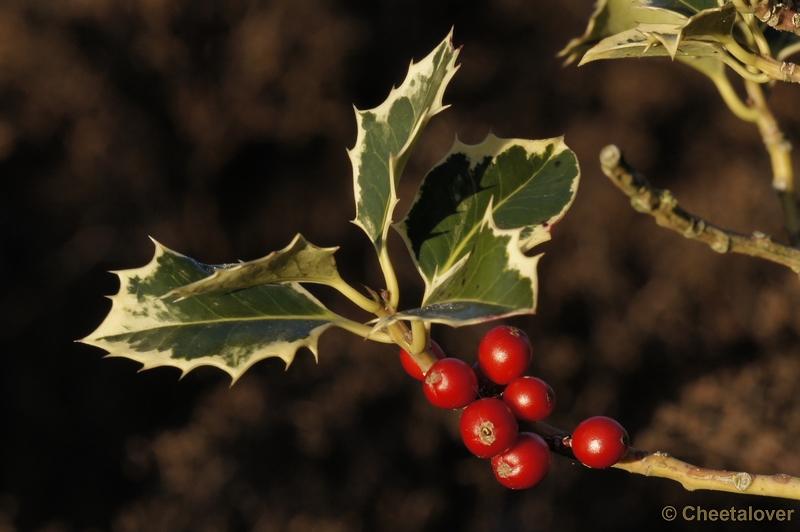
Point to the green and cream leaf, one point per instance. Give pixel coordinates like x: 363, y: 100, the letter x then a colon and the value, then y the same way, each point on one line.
x: 530, y: 184
x: 687, y: 8
x: 494, y: 280
x: 696, y: 36
x: 387, y: 133
x: 611, y: 17
x: 231, y: 330
x: 300, y: 261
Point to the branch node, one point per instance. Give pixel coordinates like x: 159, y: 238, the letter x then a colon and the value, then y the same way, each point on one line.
x: 742, y: 481
x: 641, y: 204
x: 722, y: 245
x: 610, y: 156
x: 787, y: 69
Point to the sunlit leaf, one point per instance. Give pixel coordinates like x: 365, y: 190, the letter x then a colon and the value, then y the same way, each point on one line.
x: 612, y: 17
x: 655, y: 41
x: 387, y: 133
x: 300, y: 261
x: 684, y: 7
x: 230, y: 331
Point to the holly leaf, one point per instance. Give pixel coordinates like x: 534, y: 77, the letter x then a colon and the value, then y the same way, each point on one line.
x: 493, y: 280
x: 231, y: 331
x: 387, y: 133
x: 529, y: 184
x: 611, y: 17
x: 693, y: 37
x: 299, y: 261
x: 683, y: 7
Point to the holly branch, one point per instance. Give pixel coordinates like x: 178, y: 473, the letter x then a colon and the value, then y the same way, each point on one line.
x: 663, y: 206
x: 691, y: 477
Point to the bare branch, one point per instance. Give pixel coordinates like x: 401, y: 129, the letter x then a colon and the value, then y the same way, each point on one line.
x: 663, y: 206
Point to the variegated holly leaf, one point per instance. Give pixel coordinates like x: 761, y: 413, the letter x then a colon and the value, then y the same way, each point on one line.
x: 493, y: 280
x: 387, y: 133
x: 684, y: 7
x: 231, y: 330
x: 530, y: 184
x: 694, y: 37
x: 300, y: 261
x: 611, y: 17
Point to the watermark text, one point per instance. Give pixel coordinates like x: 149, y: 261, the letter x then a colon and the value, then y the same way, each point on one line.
x: 698, y: 513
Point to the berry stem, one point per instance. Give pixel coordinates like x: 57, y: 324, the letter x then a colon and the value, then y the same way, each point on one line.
x: 409, y: 339
x: 691, y: 477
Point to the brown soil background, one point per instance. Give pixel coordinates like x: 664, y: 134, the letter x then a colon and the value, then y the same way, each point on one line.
x: 220, y: 129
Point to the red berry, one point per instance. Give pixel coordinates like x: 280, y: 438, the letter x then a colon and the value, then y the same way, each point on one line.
x: 599, y: 442
x: 450, y: 383
x: 525, y: 464
x: 412, y: 368
x: 530, y: 399
x: 488, y: 427
x: 504, y: 354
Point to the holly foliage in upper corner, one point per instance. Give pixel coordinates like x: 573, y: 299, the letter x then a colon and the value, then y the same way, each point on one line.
x: 475, y: 216
x: 706, y: 34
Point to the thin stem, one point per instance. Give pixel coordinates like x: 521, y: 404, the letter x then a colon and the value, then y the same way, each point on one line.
x: 370, y: 305
x: 390, y: 278
x: 755, y: 35
x: 736, y: 50
x: 732, y: 100
x: 405, y: 338
x: 770, y: 68
x: 364, y: 331
x: 663, y: 206
x: 689, y: 476
x: 419, y: 337
x: 742, y: 6
x: 778, y: 70
x: 779, y: 152
x: 749, y: 76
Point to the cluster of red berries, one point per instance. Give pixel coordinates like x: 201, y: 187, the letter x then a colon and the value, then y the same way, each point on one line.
x: 496, y: 395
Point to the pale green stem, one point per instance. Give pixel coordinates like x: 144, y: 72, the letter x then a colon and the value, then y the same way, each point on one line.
x: 370, y: 305
x: 736, y: 50
x: 364, y: 331
x: 779, y: 70
x: 402, y: 336
x: 779, y: 152
x: 749, y: 76
x: 732, y: 100
x: 758, y: 36
x: 419, y: 337
x: 754, y: 33
x: 742, y: 7
x: 390, y: 278
x: 770, y: 68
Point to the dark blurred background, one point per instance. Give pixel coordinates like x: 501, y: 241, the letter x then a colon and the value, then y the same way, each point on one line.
x: 220, y: 128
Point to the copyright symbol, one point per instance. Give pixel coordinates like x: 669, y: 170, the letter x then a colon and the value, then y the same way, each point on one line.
x: 669, y: 513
